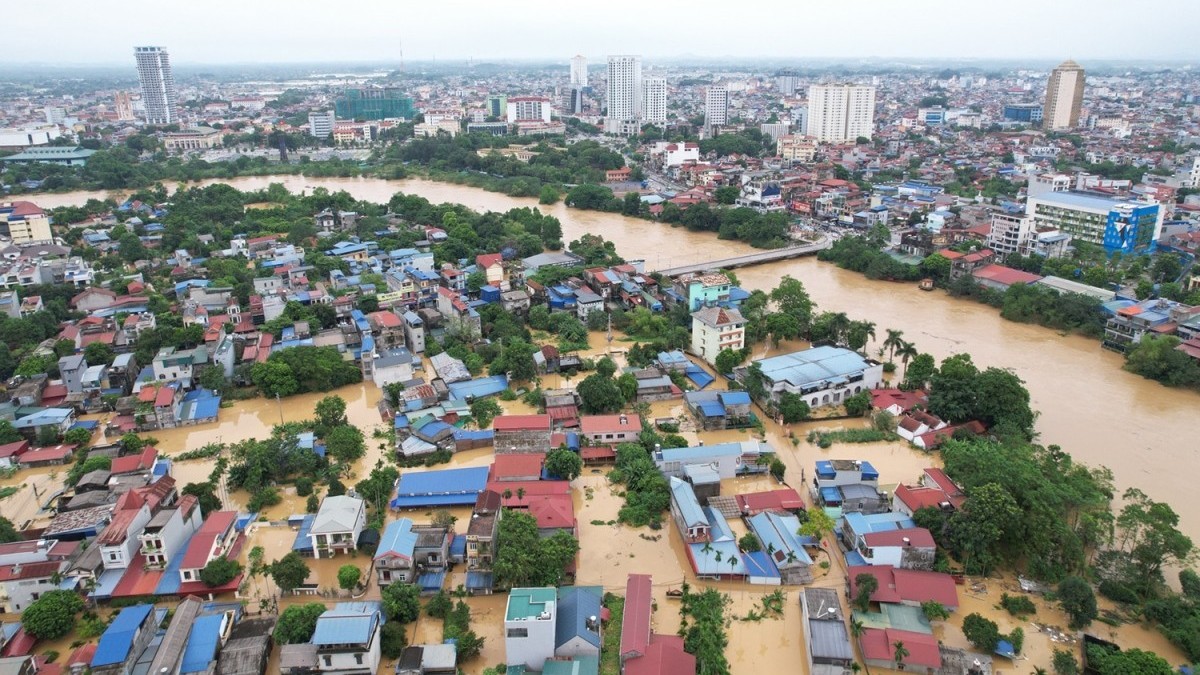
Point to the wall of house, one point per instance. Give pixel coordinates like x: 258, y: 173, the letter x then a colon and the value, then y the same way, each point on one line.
x: 346, y: 661
x: 533, y: 649
x: 22, y: 592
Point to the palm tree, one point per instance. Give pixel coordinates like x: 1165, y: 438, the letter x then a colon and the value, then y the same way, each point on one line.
x: 707, y: 548
x: 856, y: 631
x: 520, y: 494
x: 868, y: 329
x: 900, y: 654
x: 839, y: 325
x: 892, y: 341
x: 1038, y: 670
x: 906, y: 351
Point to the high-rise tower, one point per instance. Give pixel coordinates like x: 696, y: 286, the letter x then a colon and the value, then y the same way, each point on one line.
x: 624, y: 95
x: 1064, y: 96
x: 579, y: 72
x: 158, y: 85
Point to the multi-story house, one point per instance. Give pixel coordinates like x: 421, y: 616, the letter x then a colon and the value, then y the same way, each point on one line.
x: 23, y: 583
x: 406, y: 550
x: 481, y: 541
x: 337, y: 525
x: 119, y: 541
x: 414, y: 332
x: 166, y: 533
x: 715, y: 329
x: 529, y: 626
x: 347, y: 639
x: 214, y: 539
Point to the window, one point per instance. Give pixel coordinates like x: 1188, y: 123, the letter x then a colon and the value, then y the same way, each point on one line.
x: 328, y: 661
x: 518, y: 632
x: 358, y: 658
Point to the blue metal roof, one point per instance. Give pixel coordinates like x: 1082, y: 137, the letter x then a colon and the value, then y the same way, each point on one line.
x: 430, y: 582
x: 686, y: 503
x: 342, y: 627
x: 201, y: 649
x: 699, y: 377
x: 778, y: 533
x: 302, y: 541
x: 482, y: 580
x: 458, y: 546
x: 398, y: 538
x: 438, y: 488
x: 469, y: 435
x: 483, y: 386
x: 831, y: 495
x: 575, y: 605
x: 758, y: 564
x: 825, y: 469
x: 712, y: 409
x: 734, y: 398
x: 118, y: 637
x: 818, y: 364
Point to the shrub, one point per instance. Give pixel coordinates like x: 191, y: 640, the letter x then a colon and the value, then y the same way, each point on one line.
x: 1017, y: 605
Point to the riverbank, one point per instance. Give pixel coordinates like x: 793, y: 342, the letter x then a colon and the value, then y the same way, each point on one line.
x: 1100, y: 413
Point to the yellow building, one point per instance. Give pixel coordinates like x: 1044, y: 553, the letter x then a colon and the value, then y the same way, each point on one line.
x: 24, y: 223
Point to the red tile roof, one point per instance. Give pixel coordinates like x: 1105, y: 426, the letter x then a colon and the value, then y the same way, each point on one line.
x: 486, y: 260
x: 385, y: 319
x: 14, y: 449
x: 518, y: 466
x: 37, y: 570
x: 917, y: 497
x: 664, y: 656
x: 608, y: 424
x: 635, y: 624
x: 884, y: 398
x: 164, y: 397
x: 1004, y: 275
x: 916, y: 536
x: 215, y: 525
x: 521, y: 423
x: 592, y: 454
x: 135, y: 463
x: 896, y: 585
x: 553, y: 512
x: 879, y: 644
x: 57, y: 452
x: 785, y: 499
x: 532, y: 488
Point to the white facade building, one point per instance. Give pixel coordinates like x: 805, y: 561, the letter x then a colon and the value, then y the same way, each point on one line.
x: 838, y: 113
x: 654, y: 100
x: 528, y: 109
x: 716, y: 106
x: 320, y: 124
x: 579, y: 73
x: 158, y: 85
x: 624, y: 95
x: 529, y: 625
x: 715, y: 329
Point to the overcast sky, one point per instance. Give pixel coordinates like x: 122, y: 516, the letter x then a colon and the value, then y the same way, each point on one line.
x: 273, y: 31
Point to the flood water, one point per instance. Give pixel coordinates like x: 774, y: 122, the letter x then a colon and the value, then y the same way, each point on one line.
x: 1089, y: 405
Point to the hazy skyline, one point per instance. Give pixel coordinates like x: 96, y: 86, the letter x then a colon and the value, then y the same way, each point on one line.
x: 104, y: 33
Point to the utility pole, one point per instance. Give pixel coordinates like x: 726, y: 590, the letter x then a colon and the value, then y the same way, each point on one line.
x: 279, y: 403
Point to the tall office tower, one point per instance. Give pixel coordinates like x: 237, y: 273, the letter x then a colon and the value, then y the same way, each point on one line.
x: 654, y: 100
x: 786, y: 83
x: 579, y: 71
x: 838, y: 113
x: 123, y: 105
x: 624, y: 95
x: 716, y: 106
x: 158, y: 85
x: 55, y: 114
x: 320, y: 124
x: 1064, y: 95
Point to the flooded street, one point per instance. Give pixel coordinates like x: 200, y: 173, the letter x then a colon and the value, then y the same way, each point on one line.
x: 1089, y: 405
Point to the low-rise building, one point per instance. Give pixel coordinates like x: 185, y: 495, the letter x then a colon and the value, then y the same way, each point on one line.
x: 529, y: 626
x: 610, y: 429
x: 822, y: 376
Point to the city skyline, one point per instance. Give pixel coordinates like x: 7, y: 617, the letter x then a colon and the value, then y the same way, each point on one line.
x: 1073, y: 29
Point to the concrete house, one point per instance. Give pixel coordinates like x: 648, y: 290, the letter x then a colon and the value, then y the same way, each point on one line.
x: 727, y: 459
x: 164, y: 536
x: 685, y: 510
x: 529, y: 626
x: 610, y: 429
x: 405, y: 550
x: 824, y: 624
x: 414, y: 332
x: 22, y: 583
x: 391, y: 366
x: 337, y: 525
x: 119, y: 541
x: 72, y: 369
x: 641, y: 651
x: 521, y: 433
x: 821, y: 376
x: 910, y: 548
x: 481, y: 541
x: 214, y: 539
x: 347, y: 639
x: 715, y: 329
x: 577, y: 630
x: 778, y: 535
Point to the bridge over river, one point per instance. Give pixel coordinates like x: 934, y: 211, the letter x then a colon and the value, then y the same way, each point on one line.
x: 759, y: 258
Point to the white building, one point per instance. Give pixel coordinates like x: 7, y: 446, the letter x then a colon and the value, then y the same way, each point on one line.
x: 716, y: 106
x: 529, y: 625
x: 715, y: 329
x: 158, y: 84
x: 24, y: 223
x: 528, y: 109
x: 654, y: 100
x: 320, y: 124
x: 821, y: 375
x: 838, y: 113
x: 346, y: 639
x: 339, y: 521
x: 55, y: 114
x: 579, y: 72
x: 164, y: 536
x: 1008, y: 231
x: 678, y: 154
x: 624, y: 95
x: 1064, y: 96
x: 796, y: 148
